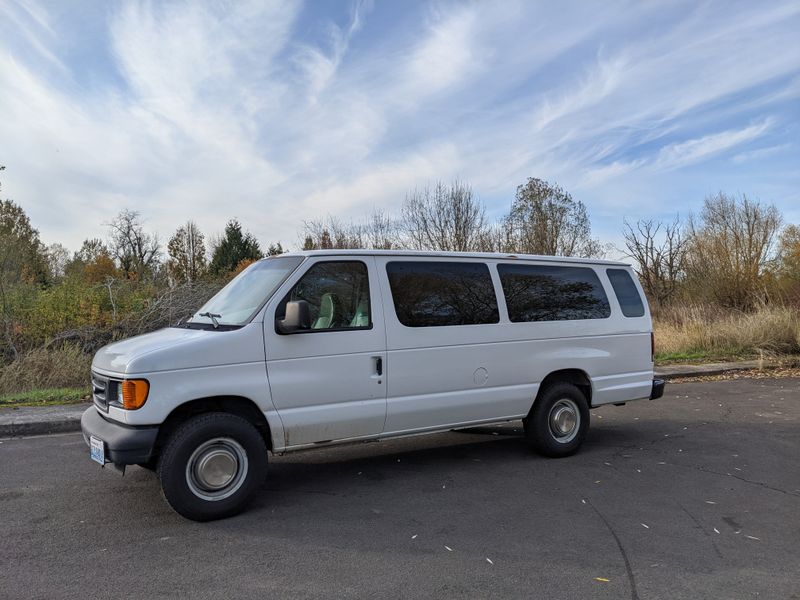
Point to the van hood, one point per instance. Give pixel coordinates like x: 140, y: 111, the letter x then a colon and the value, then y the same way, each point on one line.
x: 178, y: 348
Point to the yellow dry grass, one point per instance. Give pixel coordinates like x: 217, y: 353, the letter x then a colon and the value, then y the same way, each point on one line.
x: 46, y: 368
x: 709, y: 332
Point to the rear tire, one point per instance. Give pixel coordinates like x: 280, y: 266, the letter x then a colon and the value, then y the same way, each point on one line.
x: 212, y: 465
x: 558, y: 421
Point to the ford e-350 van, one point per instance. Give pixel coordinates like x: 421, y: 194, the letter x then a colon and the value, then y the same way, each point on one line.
x: 316, y: 348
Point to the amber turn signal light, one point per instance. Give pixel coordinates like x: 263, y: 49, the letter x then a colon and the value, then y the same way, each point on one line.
x: 134, y: 393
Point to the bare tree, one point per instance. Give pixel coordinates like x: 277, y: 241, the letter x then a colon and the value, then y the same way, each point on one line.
x: 330, y: 232
x: 731, y: 246
x: 660, y: 254
x: 187, y: 253
x: 379, y: 232
x: 545, y: 219
x: 447, y: 218
x: 136, y: 251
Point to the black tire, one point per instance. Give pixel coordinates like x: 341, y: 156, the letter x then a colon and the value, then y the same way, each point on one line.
x: 547, y: 425
x: 198, y: 457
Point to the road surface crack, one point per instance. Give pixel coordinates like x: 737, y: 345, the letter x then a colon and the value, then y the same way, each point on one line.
x: 701, y: 528
x: 739, y: 477
x: 628, y: 569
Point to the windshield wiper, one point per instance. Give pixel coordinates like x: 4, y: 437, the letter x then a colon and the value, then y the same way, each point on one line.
x: 212, y: 316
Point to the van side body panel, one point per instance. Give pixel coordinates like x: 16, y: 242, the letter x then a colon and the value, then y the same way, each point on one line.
x: 440, y: 376
x: 324, y: 383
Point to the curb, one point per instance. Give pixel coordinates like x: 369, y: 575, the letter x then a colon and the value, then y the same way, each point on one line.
x: 679, y: 371
x: 32, y: 420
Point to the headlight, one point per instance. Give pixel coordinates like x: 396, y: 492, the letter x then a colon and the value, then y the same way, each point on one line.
x: 132, y: 393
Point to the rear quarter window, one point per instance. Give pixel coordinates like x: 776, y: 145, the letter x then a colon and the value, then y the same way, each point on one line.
x: 552, y: 293
x: 438, y: 294
x: 627, y: 294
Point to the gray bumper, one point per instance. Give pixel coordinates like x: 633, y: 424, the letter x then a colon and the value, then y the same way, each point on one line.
x: 125, y: 445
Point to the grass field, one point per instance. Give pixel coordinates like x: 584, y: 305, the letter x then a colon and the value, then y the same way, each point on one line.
x: 46, y: 397
x: 698, y: 333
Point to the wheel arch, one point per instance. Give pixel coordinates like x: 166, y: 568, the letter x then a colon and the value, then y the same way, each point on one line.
x: 237, y: 405
x: 576, y: 377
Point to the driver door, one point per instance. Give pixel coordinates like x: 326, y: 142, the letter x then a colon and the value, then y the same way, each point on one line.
x: 327, y: 382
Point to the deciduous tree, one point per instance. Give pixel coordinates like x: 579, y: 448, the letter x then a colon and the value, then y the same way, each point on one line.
x: 136, y: 251
x: 187, y: 254
x: 659, y: 252
x: 731, y: 246
x: 22, y: 260
x: 445, y: 218
x: 545, y: 219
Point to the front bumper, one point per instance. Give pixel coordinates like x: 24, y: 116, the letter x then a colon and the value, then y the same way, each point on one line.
x: 124, y: 444
x: 658, y: 389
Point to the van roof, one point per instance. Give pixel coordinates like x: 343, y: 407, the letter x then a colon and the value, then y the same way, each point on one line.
x: 481, y: 255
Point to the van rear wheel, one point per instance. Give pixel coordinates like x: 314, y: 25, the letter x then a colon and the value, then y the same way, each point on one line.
x: 212, y: 465
x: 558, y: 421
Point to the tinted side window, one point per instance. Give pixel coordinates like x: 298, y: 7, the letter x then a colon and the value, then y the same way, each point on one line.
x: 552, y: 293
x: 337, y: 294
x: 627, y: 294
x: 433, y: 294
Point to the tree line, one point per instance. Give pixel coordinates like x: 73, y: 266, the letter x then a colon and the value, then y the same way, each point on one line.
x: 735, y: 253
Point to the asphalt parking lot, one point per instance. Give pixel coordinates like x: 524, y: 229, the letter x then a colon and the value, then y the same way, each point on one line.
x: 696, y: 495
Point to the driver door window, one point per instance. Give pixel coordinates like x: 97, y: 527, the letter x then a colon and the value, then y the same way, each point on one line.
x: 337, y: 294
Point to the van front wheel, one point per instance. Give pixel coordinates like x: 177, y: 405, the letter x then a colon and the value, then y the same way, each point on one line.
x: 212, y: 465
x: 558, y: 421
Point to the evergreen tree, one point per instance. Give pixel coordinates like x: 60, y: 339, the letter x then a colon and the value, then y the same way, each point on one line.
x: 275, y: 249
x: 234, y: 247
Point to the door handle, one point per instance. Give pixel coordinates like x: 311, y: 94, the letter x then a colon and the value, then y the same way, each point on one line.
x: 378, y: 365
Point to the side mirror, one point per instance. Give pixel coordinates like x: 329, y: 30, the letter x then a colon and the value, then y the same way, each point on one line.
x: 298, y: 318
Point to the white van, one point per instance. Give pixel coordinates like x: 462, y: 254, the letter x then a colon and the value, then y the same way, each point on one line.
x: 309, y: 349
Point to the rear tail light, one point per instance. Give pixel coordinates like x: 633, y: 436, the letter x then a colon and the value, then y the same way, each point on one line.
x: 652, y: 347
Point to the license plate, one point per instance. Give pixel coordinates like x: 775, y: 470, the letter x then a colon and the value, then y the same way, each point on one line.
x: 97, y: 450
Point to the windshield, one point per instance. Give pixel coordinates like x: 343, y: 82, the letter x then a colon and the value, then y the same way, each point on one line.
x: 237, y: 302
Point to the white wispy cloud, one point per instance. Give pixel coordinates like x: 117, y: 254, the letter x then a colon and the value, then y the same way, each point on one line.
x: 31, y: 23
x: 689, y: 152
x: 276, y: 113
x: 761, y: 153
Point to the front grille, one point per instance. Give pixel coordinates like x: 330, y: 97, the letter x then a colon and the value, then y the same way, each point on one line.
x: 100, y: 391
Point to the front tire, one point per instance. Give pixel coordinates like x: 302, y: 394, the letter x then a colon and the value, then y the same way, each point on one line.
x: 212, y: 465
x: 558, y: 421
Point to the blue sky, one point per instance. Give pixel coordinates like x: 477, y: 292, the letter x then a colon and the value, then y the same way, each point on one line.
x: 276, y: 113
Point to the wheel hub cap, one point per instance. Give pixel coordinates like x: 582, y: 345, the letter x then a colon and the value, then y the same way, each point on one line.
x: 216, y: 469
x: 564, y: 420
